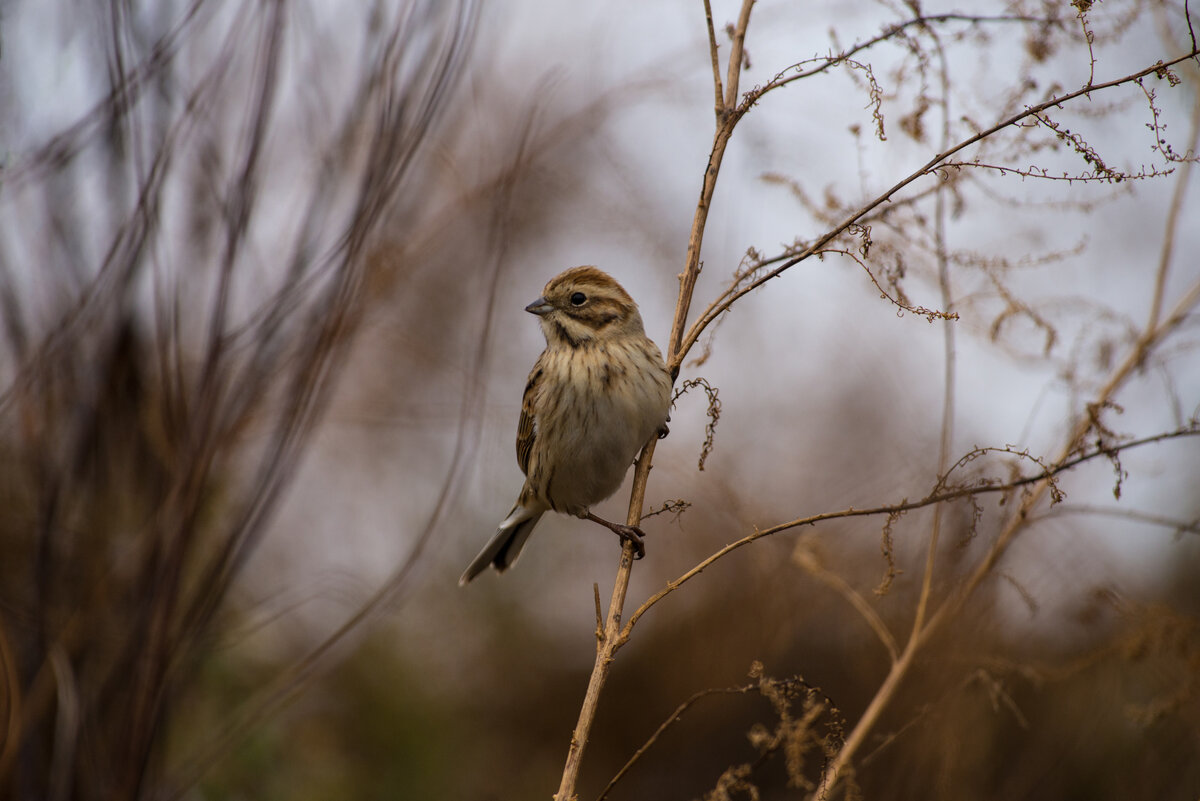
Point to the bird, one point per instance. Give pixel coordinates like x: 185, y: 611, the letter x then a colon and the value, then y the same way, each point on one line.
x: 596, y: 395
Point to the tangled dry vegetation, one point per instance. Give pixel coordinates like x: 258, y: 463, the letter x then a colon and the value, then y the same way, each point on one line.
x: 906, y: 224
x: 175, y: 334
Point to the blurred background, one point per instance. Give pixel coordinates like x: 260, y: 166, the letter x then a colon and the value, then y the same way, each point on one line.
x: 262, y: 271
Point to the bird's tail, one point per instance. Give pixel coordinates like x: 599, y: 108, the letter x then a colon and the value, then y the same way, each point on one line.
x: 504, y: 548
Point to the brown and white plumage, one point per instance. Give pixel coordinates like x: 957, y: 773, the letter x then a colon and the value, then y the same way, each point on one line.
x: 596, y: 395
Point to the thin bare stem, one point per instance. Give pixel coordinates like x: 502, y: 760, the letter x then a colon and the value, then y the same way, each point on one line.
x: 853, y: 741
x: 736, y: 54
x: 714, y: 52
x: 795, y: 73
x: 672, y: 719
x: 948, y: 349
x: 807, y: 560
x: 612, y: 638
x: 727, y: 118
x: 1178, y: 526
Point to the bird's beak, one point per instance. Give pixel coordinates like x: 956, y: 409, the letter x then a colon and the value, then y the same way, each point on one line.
x: 539, y: 307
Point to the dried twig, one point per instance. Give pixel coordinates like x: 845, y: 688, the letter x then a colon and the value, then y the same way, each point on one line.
x: 724, y: 301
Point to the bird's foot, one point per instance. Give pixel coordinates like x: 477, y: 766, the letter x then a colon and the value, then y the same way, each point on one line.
x: 630, y: 534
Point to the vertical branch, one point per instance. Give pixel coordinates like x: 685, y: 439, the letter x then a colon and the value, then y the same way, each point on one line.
x: 612, y: 639
x: 714, y: 52
x: 727, y: 119
x: 949, y: 369
x: 900, y: 666
x: 736, y: 54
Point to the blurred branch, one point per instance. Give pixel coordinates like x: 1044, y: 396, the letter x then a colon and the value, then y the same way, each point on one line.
x: 12, y: 700
x: 807, y: 559
x: 139, y: 531
x: 1173, y: 212
x: 124, y: 93
x: 402, y: 116
x: 400, y: 129
x: 1177, y: 525
x: 949, y: 352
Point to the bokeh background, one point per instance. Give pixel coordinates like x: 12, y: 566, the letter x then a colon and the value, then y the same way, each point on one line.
x: 262, y: 270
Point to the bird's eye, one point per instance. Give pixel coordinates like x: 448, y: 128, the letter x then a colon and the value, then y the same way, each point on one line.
x: 578, y: 299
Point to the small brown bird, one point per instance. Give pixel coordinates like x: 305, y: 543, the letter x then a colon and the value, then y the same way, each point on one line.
x: 596, y: 395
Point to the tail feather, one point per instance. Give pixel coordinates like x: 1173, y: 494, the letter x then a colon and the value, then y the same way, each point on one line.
x: 505, y: 546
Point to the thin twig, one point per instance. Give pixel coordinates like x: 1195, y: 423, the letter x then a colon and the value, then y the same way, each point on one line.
x: 714, y: 52
x: 609, y: 640
x: 903, y: 506
x: 808, y: 560
x: 734, y: 68
x: 1173, y: 212
x: 923, y: 21
x: 735, y: 292
x: 672, y: 719
x: 1178, y: 526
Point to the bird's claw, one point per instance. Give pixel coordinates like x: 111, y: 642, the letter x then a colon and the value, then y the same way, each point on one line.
x: 631, y: 534
x: 634, y: 536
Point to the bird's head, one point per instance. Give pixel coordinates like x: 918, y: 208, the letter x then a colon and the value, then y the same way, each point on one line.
x: 585, y: 304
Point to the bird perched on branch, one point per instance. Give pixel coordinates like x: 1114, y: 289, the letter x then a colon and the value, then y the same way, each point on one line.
x: 596, y: 395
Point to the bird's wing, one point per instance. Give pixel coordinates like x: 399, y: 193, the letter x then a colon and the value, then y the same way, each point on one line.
x: 526, y: 432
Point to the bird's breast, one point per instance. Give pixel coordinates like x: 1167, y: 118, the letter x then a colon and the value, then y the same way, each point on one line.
x: 595, y: 410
